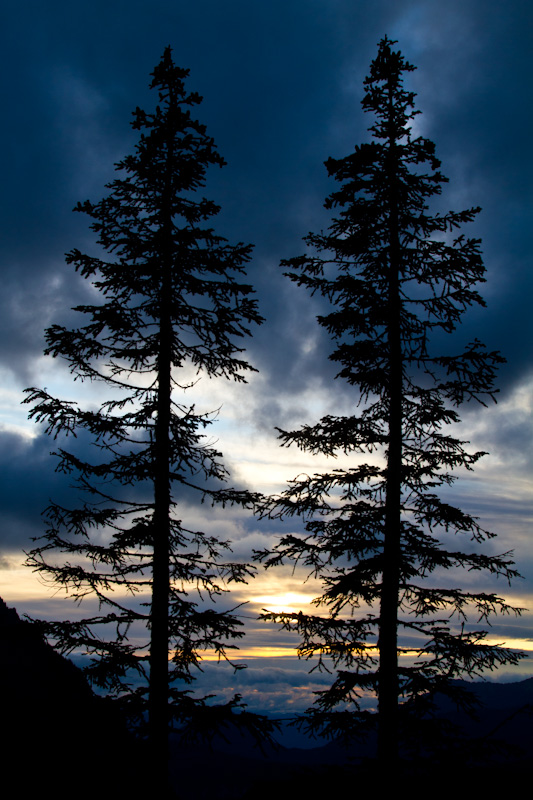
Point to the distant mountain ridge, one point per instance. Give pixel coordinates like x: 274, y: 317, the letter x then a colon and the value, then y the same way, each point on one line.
x: 55, y: 729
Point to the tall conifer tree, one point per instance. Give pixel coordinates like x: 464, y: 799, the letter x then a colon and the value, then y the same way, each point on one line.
x: 170, y: 301
x: 378, y: 535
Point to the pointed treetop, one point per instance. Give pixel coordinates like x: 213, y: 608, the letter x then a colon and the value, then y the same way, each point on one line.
x: 388, y: 64
x: 169, y: 78
x: 386, y: 96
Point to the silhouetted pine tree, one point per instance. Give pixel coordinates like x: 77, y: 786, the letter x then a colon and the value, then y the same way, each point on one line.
x: 169, y: 300
x: 378, y: 531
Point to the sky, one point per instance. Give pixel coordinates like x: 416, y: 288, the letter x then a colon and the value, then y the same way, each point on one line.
x: 282, y: 85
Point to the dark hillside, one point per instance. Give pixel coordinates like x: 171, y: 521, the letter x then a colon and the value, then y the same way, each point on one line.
x: 55, y: 731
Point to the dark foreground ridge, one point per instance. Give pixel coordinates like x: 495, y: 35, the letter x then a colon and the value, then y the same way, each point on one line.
x: 42, y: 692
x: 55, y: 731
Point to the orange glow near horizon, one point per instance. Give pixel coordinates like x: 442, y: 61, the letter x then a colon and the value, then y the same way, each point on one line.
x: 287, y: 602
x: 26, y: 591
x: 252, y: 652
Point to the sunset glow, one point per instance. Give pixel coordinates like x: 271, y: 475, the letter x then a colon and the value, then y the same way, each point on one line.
x: 317, y: 481
x: 289, y: 602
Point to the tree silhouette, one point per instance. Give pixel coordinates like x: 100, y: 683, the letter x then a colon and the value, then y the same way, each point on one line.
x: 378, y: 535
x: 170, y: 307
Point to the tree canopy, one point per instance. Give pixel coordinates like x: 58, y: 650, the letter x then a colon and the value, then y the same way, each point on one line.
x: 382, y: 534
x: 167, y: 305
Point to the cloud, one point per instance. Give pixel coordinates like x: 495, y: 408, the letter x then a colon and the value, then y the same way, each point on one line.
x: 282, y: 84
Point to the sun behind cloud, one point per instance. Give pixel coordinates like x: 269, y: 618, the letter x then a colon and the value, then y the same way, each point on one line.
x: 289, y: 602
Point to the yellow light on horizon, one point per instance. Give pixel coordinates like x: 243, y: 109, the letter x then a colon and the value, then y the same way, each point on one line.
x: 288, y: 602
x: 511, y: 644
x: 251, y: 652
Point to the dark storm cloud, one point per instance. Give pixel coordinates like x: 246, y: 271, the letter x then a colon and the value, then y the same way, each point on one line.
x: 282, y: 84
x: 472, y: 62
x: 29, y: 483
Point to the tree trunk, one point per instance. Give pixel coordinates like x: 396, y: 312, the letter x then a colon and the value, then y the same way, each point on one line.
x: 158, y: 697
x: 388, y: 684
x: 158, y: 693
